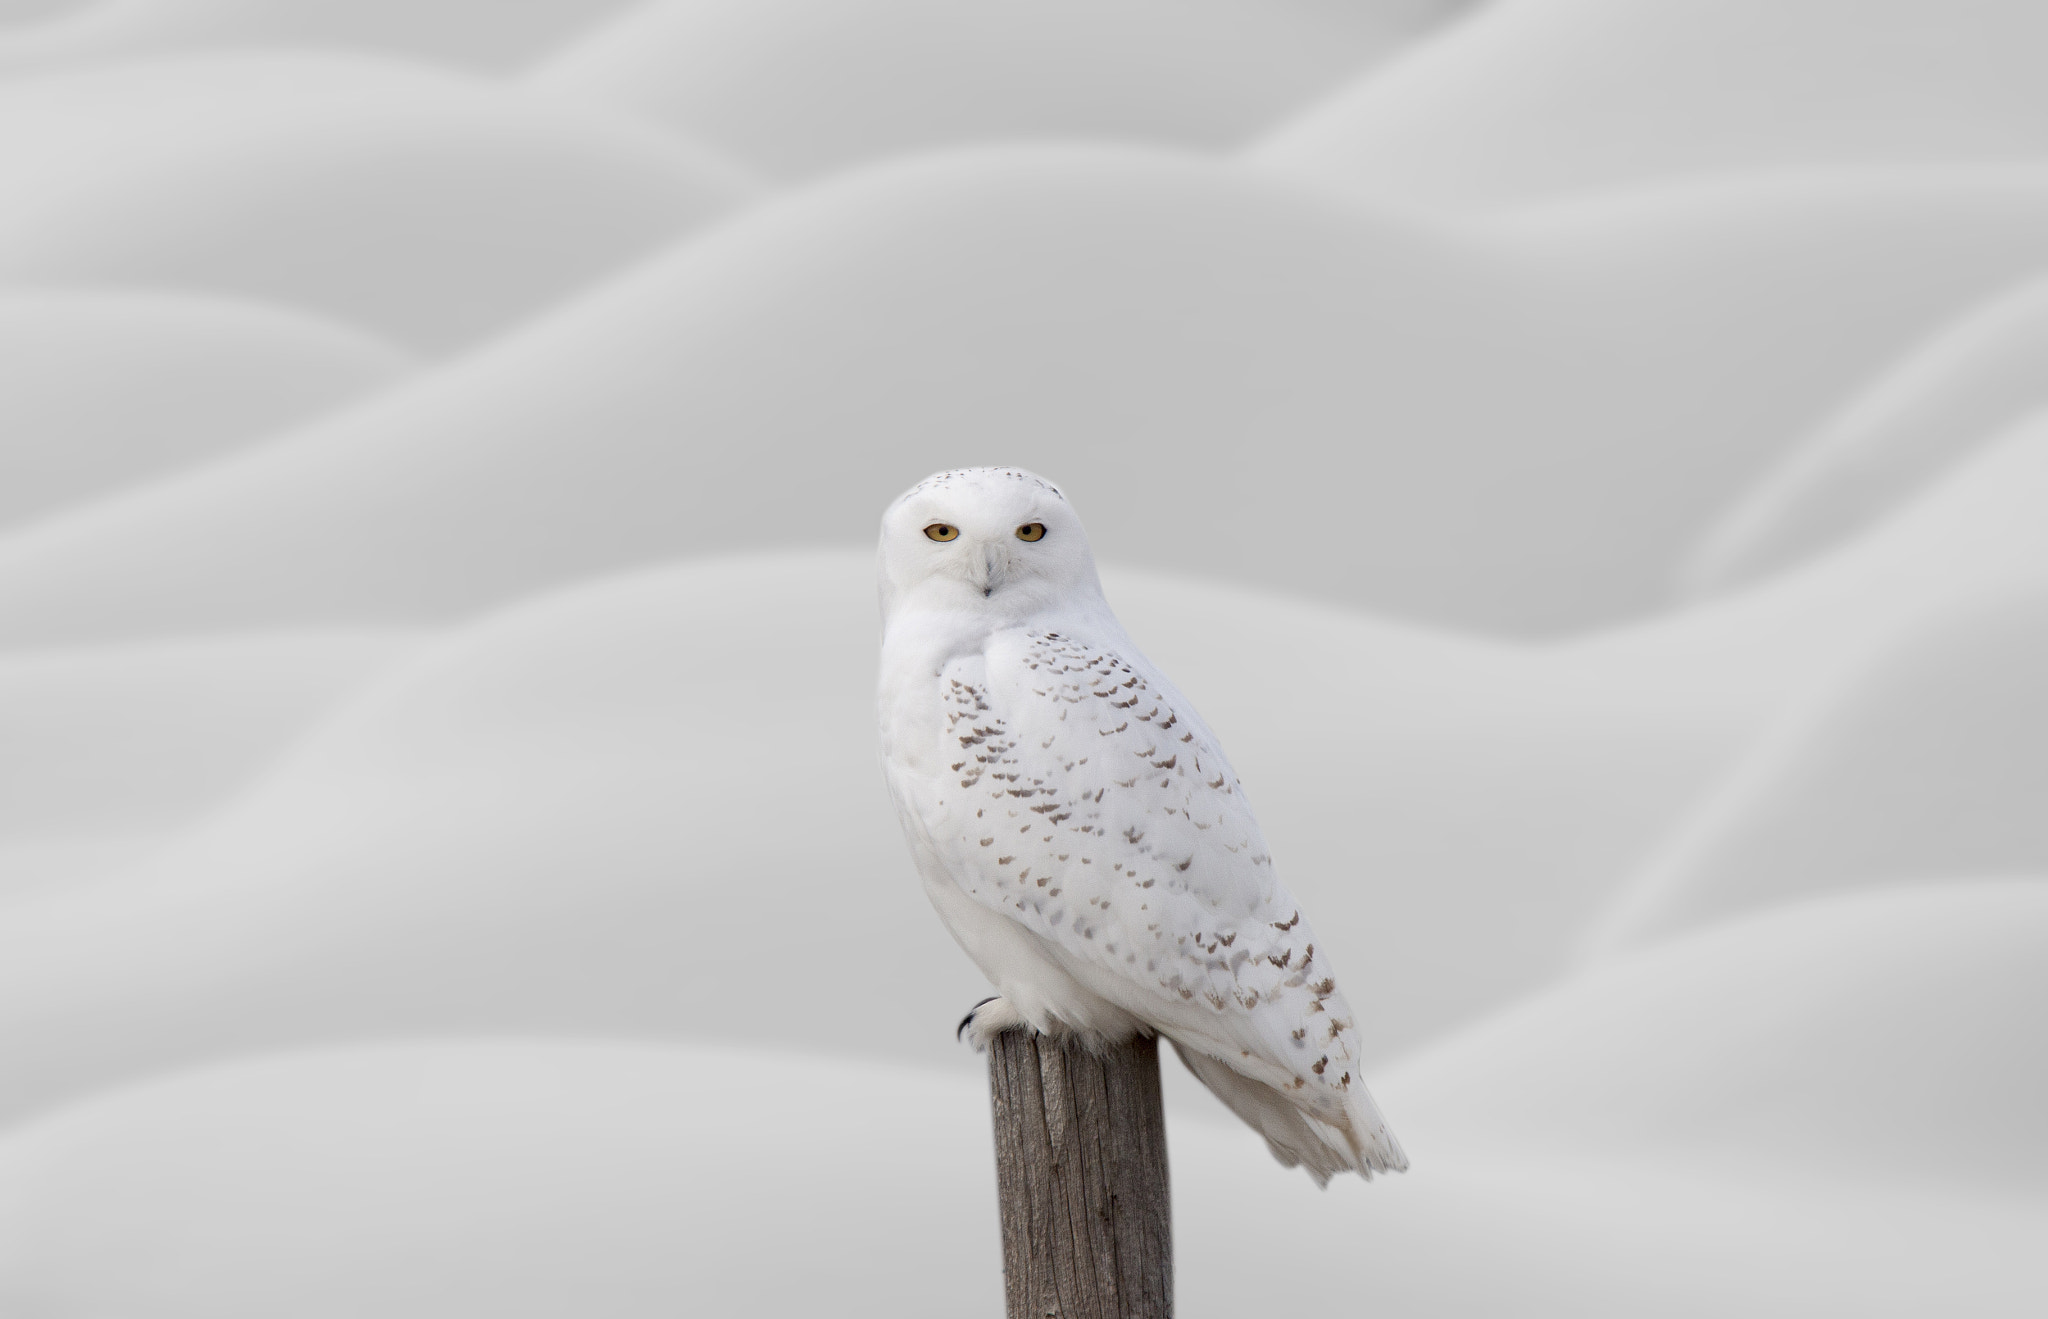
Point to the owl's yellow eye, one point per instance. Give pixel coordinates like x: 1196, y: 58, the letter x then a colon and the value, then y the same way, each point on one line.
x: 1031, y: 531
x: 940, y: 531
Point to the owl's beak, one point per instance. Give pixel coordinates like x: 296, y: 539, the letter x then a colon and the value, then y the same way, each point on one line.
x: 993, y: 563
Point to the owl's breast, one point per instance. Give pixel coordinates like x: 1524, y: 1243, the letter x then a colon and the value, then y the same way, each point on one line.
x: 908, y: 705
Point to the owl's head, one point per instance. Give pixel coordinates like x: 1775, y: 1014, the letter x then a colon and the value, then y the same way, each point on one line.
x: 994, y: 540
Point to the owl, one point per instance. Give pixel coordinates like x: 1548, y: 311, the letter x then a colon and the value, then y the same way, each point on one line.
x: 1078, y: 829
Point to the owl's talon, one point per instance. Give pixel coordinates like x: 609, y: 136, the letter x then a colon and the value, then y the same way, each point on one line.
x: 961, y: 1032
x: 990, y: 1018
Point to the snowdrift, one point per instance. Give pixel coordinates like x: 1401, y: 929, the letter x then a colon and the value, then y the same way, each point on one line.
x: 519, y: 1176
x: 1976, y: 530
x: 514, y: 1179
x: 1532, y: 101
x: 187, y: 717
x: 800, y: 87
x: 483, y: 33
x: 427, y: 206
x: 566, y: 821
x: 1864, y: 1038
x: 208, y: 374
x: 1928, y: 758
x: 1206, y: 332
x: 1969, y: 382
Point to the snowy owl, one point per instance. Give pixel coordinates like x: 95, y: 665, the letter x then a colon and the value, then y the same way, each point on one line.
x: 1079, y: 831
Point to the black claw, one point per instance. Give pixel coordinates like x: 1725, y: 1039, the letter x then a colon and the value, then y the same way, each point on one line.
x: 960, y: 1031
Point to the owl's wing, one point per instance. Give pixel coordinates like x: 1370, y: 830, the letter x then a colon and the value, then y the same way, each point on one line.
x: 1094, y: 807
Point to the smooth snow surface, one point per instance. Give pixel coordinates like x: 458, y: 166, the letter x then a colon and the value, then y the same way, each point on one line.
x: 521, y: 1177
x: 1518, y: 427
x: 1879, y: 1066
x: 441, y: 444
x: 510, y: 1179
x: 427, y: 205
x: 1943, y: 402
x: 29, y: 11
x: 131, y: 742
x: 106, y: 755
x: 489, y: 33
x: 1924, y: 760
x: 1534, y: 99
x: 801, y: 87
x: 209, y: 374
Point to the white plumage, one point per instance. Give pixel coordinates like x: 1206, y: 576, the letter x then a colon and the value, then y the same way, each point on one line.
x: 1079, y: 830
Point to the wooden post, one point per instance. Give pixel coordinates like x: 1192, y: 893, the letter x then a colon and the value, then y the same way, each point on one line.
x: 1081, y: 1174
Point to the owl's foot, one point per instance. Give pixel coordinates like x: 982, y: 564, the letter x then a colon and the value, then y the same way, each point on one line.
x: 989, y: 1018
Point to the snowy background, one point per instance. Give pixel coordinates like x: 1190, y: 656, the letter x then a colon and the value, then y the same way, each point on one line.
x: 434, y: 432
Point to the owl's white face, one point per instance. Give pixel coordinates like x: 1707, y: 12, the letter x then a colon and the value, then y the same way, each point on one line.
x: 994, y: 541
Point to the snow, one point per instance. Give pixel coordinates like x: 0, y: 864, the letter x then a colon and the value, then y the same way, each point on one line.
x: 429, y: 206
x: 1737, y: 1046
x: 513, y: 1179
x: 1529, y: 100
x: 104, y: 753
x: 212, y: 374
x: 486, y: 33
x: 1918, y: 419
x: 1924, y: 759
x: 439, y: 461
x: 523, y: 1177
x: 185, y: 713
x: 1455, y: 391
x: 802, y: 87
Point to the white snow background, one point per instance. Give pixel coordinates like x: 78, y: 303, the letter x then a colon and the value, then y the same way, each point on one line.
x: 443, y: 867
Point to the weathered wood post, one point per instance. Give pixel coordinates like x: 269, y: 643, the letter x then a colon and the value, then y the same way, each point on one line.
x: 1081, y: 1174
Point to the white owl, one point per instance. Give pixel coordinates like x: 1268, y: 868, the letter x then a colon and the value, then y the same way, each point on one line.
x: 1079, y: 830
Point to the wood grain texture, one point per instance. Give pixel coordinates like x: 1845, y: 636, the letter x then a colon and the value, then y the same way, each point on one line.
x: 1081, y: 1173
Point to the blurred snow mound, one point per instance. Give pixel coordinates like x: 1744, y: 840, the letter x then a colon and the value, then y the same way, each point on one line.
x: 1543, y: 98
x: 1927, y: 758
x: 576, y: 817
x: 487, y: 33
x: 430, y: 206
x: 799, y: 87
x: 107, y: 751
x: 507, y: 1178
x: 1869, y: 1037
x: 210, y: 374
x: 1918, y: 420
x: 1519, y: 427
x: 517, y: 1177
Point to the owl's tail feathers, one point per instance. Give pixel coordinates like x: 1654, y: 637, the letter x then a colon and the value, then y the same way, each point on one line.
x: 1361, y: 1143
x: 1372, y: 1141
